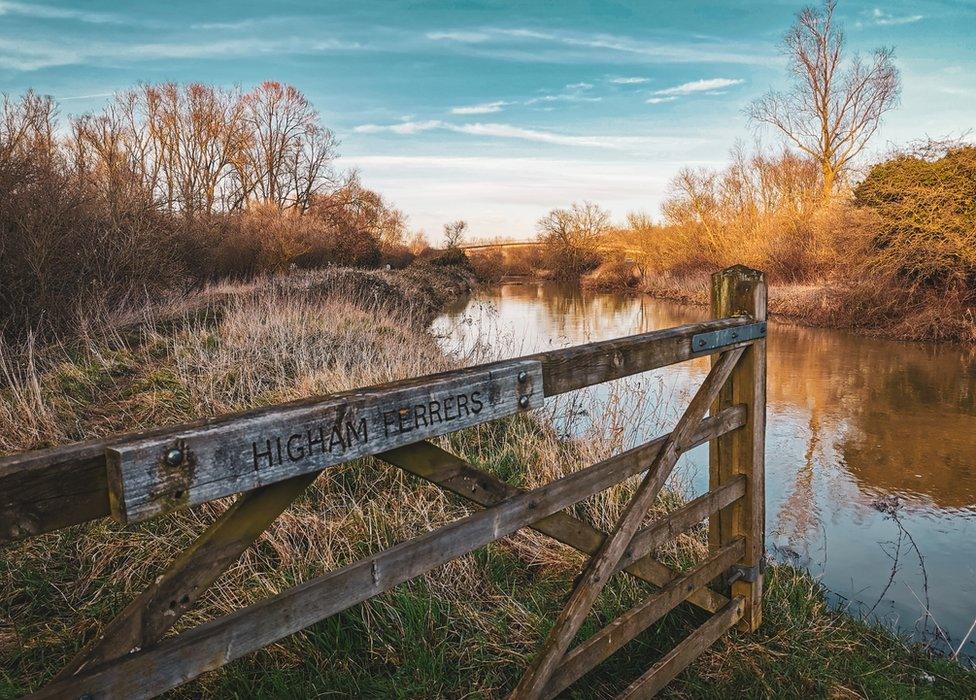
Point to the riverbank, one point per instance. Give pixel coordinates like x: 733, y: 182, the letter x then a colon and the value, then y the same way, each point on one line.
x: 896, y: 314
x: 471, y: 625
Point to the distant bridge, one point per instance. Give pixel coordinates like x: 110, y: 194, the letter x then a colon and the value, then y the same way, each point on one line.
x: 505, y: 244
x: 632, y: 254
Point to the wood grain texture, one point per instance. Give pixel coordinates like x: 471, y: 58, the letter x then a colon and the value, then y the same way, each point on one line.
x: 740, y: 290
x: 457, y: 476
x: 179, y: 659
x: 46, y: 490
x: 682, y: 519
x: 234, y: 455
x: 625, y: 628
x: 144, y: 621
x: 585, y: 365
x: 676, y: 660
x: 605, y: 562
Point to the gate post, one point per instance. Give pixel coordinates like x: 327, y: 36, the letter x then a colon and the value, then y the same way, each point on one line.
x: 736, y: 291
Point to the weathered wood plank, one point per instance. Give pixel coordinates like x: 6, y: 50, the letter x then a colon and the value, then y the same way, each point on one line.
x: 179, y: 659
x: 605, y: 562
x: 625, y: 628
x: 49, y: 489
x: 457, y: 476
x: 676, y: 660
x: 682, y: 519
x: 144, y: 621
x: 46, y: 490
x: 152, y: 476
x: 740, y: 290
x: 594, y: 363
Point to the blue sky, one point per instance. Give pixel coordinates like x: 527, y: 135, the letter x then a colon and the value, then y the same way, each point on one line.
x: 496, y: 112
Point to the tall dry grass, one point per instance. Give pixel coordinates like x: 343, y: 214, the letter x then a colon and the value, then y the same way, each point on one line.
x: 240, y: 345
x: 467, y: 628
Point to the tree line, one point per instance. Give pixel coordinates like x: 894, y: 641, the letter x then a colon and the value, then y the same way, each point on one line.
x: 170, y: 186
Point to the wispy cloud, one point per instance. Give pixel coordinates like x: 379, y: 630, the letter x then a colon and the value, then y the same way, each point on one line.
x: 885, y: 19
x: 483, y: 108
x: 242, y: 24
x: 705, y: 85
x: 562, y: 97
x: 28, y: 55
x: 574, y: 92
x: 629, y: 80
x: 462, y: 37
x: 508, y: 43
x: 53, y: 12
x: 659, y: 100
x: 93, y: 96
x: 401, y: 128
x: 509, y: 131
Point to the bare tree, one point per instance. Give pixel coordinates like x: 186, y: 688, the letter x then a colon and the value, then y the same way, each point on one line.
x: 177, y: 141
x: 571, y: 237
x: 417, y: 243
x: 288, y: 154
x: 835, y: 105
x: 454, y: 232
x: 27, y: 126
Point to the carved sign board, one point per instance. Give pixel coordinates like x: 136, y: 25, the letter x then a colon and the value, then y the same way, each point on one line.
x: 225, y: 456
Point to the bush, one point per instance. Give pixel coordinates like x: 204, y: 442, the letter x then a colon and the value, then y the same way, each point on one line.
x: 397, y: 256
x: 924, y: 202
x: 452, y: 257
x: 91, y: 224
x: 488, y: 266
x: 69, y: 255
x: 763, y: 210
x: 615, y: 273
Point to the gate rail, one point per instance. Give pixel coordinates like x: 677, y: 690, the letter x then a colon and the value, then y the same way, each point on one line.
x: 271, y: 455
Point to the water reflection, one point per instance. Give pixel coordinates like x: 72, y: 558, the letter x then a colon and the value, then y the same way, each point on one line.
x: 868, y: 440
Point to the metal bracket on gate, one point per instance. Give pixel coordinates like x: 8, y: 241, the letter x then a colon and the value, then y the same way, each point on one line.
x: 706, y: 342
x: 749, y: 574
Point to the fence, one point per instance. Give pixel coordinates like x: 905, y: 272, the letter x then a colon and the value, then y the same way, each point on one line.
x: 271, y: 455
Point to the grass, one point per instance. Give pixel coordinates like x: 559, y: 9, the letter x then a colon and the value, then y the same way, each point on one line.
x: 466, y: 629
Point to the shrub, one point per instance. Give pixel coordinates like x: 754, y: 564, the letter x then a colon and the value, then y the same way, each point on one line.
x: 69, y: 255
x: 397, y: 256
x: 92, y: 222
x: 763, y: 210
x: 452, y: 257
x: 489, y: 266
x: 924, y: 202
x: 614, y: 273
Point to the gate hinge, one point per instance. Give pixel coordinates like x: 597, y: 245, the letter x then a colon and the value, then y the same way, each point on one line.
x: 749, y: 574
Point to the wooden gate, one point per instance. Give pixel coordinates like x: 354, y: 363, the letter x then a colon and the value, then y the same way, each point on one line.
x: 271, y: 455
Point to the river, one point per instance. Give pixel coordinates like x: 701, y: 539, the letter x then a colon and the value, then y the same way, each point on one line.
x: 870, y: 445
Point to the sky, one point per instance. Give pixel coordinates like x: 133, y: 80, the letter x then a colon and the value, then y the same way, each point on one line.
x: 496, y: 112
